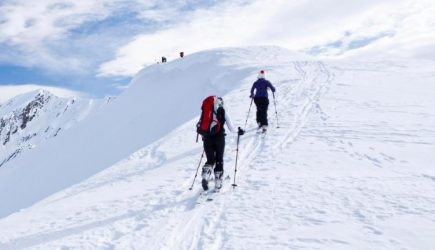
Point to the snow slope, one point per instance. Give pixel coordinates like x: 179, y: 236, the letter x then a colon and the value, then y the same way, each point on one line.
x: 348, y: 168
x: 160, y: 99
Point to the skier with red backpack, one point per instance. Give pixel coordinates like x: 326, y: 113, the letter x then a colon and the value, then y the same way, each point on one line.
x: 211, y: 127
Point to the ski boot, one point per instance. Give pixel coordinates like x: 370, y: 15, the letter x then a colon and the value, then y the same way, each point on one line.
x: 264, y: 128
x: 218, y: 180
x: 206, y: 173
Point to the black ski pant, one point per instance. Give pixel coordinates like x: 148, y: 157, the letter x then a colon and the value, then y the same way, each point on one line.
x: 214, y: 147
x: 262, y: 104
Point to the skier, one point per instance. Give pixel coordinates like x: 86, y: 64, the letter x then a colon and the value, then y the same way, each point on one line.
x: 214, y: 146
x: 261, y: 99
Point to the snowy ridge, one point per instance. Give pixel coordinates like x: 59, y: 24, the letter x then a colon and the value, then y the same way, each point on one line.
x: 11, y: 91
x: 348, y: 168
x: 29, y: 119
x: 161, y: 97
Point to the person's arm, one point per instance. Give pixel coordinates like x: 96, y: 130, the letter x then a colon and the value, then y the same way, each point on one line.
x: 252, y: 90
x: 271, y: 86
x: 229, y: 123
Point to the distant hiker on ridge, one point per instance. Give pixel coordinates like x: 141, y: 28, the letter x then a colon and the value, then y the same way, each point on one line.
x: 261, y: 99
x: 211, y: 127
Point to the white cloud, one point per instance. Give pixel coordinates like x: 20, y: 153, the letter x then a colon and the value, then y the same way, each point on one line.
x: 53, y: 35
x: 297, y: 25
x: 29, y: 28
x: 25, y: 22
x: 413, y: 25
x: 41, y: 33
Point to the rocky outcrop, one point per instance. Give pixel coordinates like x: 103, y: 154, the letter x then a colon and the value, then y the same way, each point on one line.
x: 30, y: 119
x: 32, y: 108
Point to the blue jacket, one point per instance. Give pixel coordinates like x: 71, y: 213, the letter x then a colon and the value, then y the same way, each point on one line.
x: 261, y: 86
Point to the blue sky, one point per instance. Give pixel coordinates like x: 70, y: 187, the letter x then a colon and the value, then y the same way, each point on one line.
x: 88, y: 83
x: 97, y: 46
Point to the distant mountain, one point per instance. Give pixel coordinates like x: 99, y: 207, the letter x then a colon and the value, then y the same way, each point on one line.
x: 29, y: 119
x: 10, y: 91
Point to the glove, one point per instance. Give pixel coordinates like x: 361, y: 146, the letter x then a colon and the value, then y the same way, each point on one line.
x: 241, y: 131
x: 250, y: 96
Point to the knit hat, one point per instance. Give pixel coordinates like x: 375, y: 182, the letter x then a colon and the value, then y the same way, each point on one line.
x: 261, y: 75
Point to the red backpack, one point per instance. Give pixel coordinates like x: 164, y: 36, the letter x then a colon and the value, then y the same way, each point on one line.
x: 210, y: 122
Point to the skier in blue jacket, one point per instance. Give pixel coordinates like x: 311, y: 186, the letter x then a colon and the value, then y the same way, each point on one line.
x: 261, y: 99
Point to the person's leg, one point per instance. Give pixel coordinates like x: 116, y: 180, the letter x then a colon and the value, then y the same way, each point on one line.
x: 265, y: 108
x: 220, y: 148
x: 209, y: 149
x: 262, y: 115
x: 258, y: 114
x: 219, y: 169
x: 209, y: 152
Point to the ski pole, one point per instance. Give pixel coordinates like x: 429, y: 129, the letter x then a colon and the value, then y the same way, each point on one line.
x: 246, y: 122
x: 276, y: 112
x: 202, y: 155
x: 235, y: 167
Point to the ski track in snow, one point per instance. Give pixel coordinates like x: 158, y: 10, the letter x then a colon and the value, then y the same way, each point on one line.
x: 208, y: 218
x: 175, y: 215
x: 142, y: 205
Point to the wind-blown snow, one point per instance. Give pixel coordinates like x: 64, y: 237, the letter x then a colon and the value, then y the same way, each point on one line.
x: 348, y: 168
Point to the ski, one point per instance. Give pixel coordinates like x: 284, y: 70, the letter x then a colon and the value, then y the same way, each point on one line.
x: 205, y: 196
x: 208, y: 195
x: 212, y: 193
x: 261, y: 132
